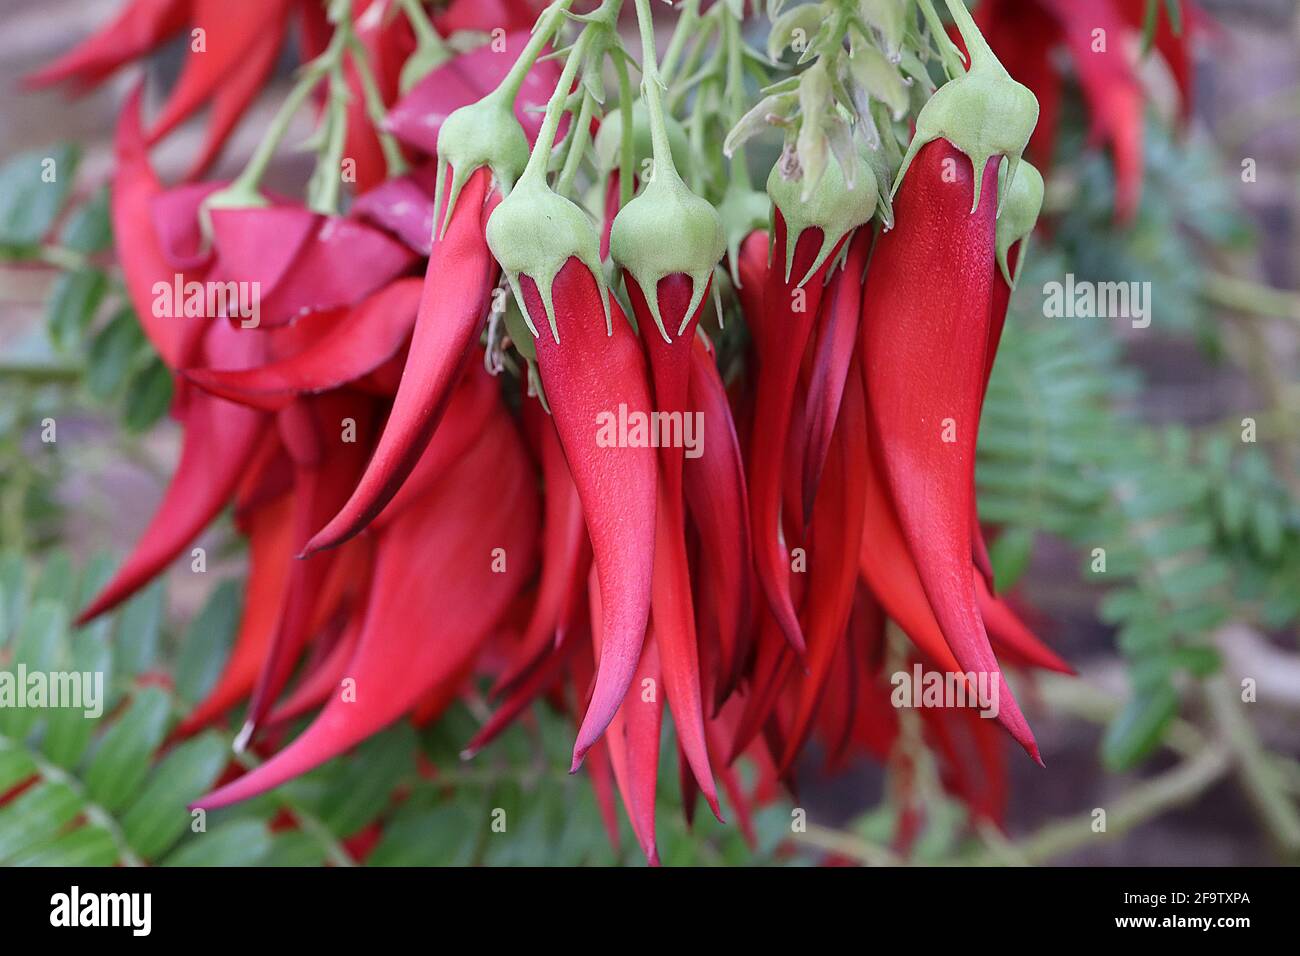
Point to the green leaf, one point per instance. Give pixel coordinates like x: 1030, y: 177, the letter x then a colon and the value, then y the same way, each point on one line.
x: 89, y: 228
x: 437, y: 836
x: 122, y: 761
x: 1266, y: 524
x: 236, y: 843
x: 97, y: 573
x: 113, y: 351
x: 1175, y: 10
x: 127, y: 803
x: 36, y: 650
x: 360, y: 788
x: 88, y: 845
x: 13, y: 593
x: 16, y: 765
x: 1010, y: 553
x: 1234, y: 505
x: 68, y: 730
x: 148, y: 396
x: 57, y: 580
x: 139, y: 630
x: 72, y: 304
x: 159, y: 816
x: 1198, y: 661
x: 206, y: 641
x: 294, y: 848
x: 1139, y: 728
x: 35, y: 816
x: 33, y: 187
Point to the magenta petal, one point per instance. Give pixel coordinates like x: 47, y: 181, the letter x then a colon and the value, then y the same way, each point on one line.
x: 258, y: 244
x: 175, y: 216
x: 345, y: 261
x: 418, y: 116
x: 403, y: 207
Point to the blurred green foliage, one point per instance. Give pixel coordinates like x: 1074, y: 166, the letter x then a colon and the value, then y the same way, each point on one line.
x: 114, y: 789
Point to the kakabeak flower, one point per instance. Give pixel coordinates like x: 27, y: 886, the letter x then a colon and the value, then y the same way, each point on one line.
x: 410, y: 529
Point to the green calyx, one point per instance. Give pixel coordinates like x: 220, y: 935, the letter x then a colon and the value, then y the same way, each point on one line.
x: 983, y: 112
x: 534, y: 232
x: 237, y: 195
x: 420, y: 64
x: 485, y: 133
x: 833, y: 208
x: 1021, y: 202
x: 609, y: 140
x: 665, y: 230
x: 742, y: 210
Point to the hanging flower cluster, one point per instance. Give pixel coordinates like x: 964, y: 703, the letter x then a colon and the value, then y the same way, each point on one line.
x: 563, y: 401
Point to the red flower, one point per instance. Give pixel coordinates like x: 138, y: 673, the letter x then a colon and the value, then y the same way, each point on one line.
x: 390, y: 494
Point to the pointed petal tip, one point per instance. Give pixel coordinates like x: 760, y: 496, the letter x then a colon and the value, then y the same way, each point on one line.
x: 795, y: 639
x: 578, y: 756
x: 712, y: 800
x: 324, y: 539
x: 240, y: 743
x: 110, y: 597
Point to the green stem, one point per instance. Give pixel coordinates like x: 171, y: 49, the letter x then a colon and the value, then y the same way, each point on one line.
x: 627, y: 143
x: 308, y: 821
x: 93, y: 812
x: 980, y: 52
x: 689, y: 73
x: 1147, y: 800
x: 1247, y: 296
x: 375, y: 110
x: 735, y: 88
x: 652, y: 90
x: 735, y: 95
x: 69, y: 260
x: 677, y: 44
x: 548, y: 24
x: 577, y: 146
x: 426, y: 35
x: 1257, y: 773
x: 846, y: 845
x: 696, y: 132
x: 555, y: 107
x: 251, y: 176
x: 327, y: 179
x: 245, y: 185
x: 39, y: 374
x: 949, y: 55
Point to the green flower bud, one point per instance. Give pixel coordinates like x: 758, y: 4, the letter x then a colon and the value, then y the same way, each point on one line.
x: 1021, y: 200
x: 534, y: 232
x: 832, y: 207
x: 742, y: 210
x: 983, y: 112
x: 665, y: 230
x: 485, y: 133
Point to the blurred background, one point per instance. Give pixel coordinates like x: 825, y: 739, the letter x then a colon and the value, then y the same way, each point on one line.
x: 1128, y: 439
